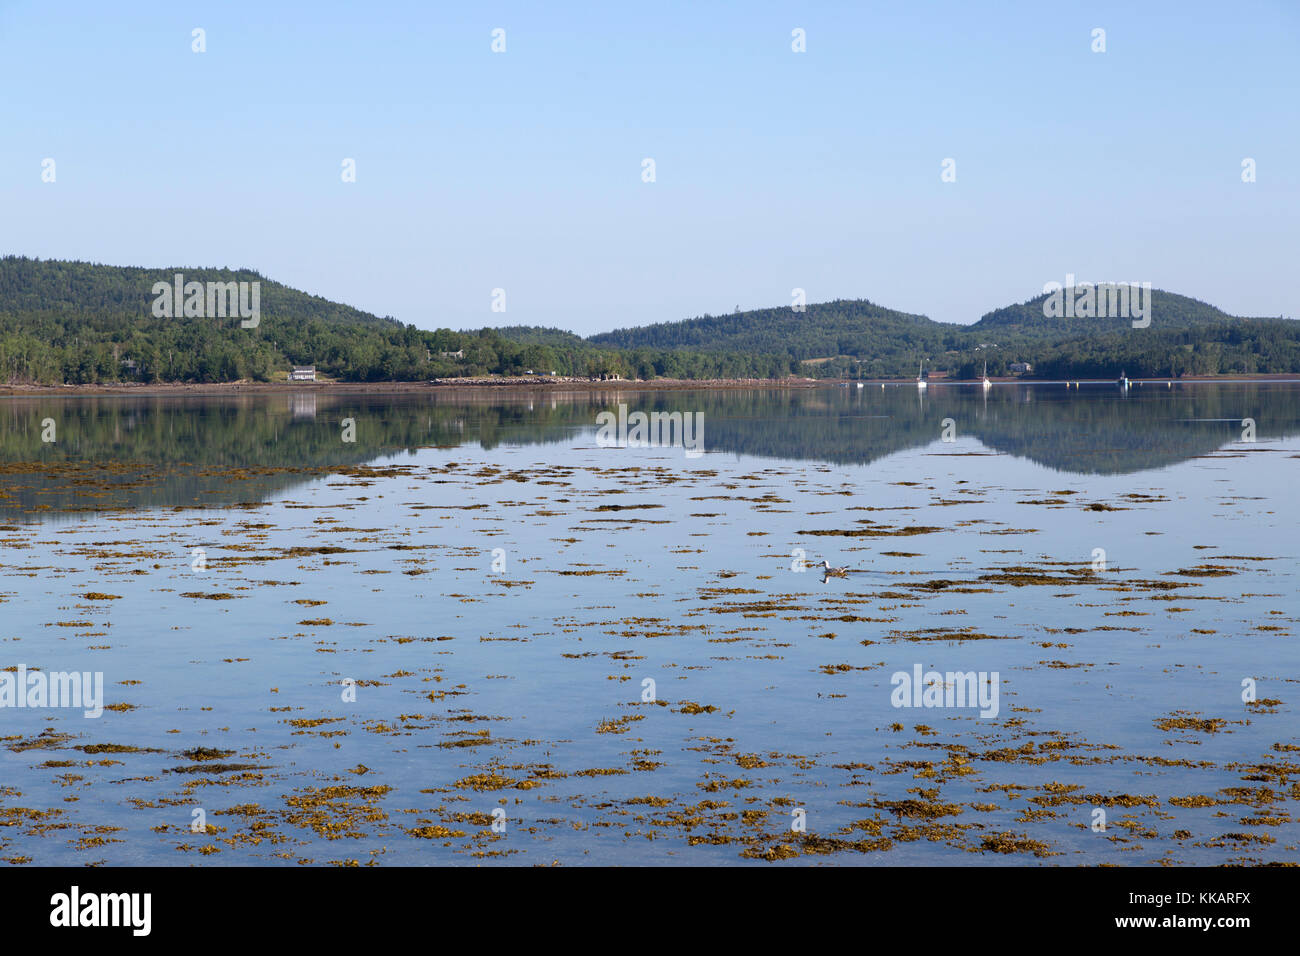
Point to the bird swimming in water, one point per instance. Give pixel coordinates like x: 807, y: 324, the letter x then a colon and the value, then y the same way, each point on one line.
x: 833, y: 572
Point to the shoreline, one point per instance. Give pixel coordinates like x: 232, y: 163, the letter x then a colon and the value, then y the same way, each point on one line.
x: 436, y: 385
x: 569, y: 384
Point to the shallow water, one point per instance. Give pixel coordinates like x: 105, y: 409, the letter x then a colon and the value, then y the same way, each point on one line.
x: 524, y: 687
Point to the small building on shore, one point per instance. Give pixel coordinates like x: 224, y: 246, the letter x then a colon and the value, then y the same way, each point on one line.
x: 303, y: 373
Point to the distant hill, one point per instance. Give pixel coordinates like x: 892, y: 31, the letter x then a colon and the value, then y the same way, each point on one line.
x: 843, y: 327
x: 848, y: 338
x: 82, y: 322
x: 1168, y: 311
x: 89, y: 290
x: 1185, y: 336
x: 74, y: 322
x: 536, y: 335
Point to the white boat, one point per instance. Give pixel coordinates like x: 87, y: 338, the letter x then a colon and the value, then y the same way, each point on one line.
x: 987, y: 383
x: 920, y: 375
x: 1123, y: 380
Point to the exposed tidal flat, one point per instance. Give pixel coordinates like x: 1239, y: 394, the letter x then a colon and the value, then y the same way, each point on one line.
x: 471, y: 635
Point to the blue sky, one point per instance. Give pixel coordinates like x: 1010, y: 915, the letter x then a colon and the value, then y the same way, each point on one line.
x: 522, y: 170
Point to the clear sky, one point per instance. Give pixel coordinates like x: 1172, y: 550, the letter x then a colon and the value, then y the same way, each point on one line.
x: 522, y: 170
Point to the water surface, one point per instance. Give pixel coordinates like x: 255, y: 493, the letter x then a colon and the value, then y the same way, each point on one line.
x: 620, y: 647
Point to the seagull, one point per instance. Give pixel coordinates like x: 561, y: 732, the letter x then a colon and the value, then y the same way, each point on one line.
x: 833, y: 572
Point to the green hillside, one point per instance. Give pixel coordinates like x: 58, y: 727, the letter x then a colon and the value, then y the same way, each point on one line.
x: 842, y: 327
x: 80, y: 322
x: 858, y: 338
x: 90, y: 292
x: 1168, y: 311
x: 1185, y: 336
x: 536, y: 335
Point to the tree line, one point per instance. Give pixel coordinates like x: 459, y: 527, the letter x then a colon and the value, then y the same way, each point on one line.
x: 79, y: 323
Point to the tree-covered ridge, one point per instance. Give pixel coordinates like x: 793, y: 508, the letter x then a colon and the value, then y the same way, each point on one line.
x: 86, y: 289
x: 78, y: 322
x: 856, y: 338
x: 841, y: 327
x: 1168, y: 311
x: 538, y: 335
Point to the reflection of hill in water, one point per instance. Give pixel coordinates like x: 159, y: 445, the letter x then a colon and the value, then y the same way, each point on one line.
x: 125, y: 452
x: 114, y: 452
x: 122, y: 452
x: 1095, y: 430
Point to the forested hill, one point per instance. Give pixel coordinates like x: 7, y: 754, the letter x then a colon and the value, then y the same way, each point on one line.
x: 90, y: 291
x: 1168, y: 311
x: 842, y: 327
x: 849, y: 338
x: 537, y: 335
x: 79, y: 322
x: 1176, y: 335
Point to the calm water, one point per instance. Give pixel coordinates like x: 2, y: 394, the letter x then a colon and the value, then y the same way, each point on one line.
x: 354, y: 651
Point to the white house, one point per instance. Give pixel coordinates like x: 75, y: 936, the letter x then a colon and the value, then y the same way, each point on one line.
x: 303, y: 373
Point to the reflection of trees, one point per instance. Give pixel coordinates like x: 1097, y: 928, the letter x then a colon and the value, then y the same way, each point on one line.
x: 123, y: 452
x: 1096, y: 430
